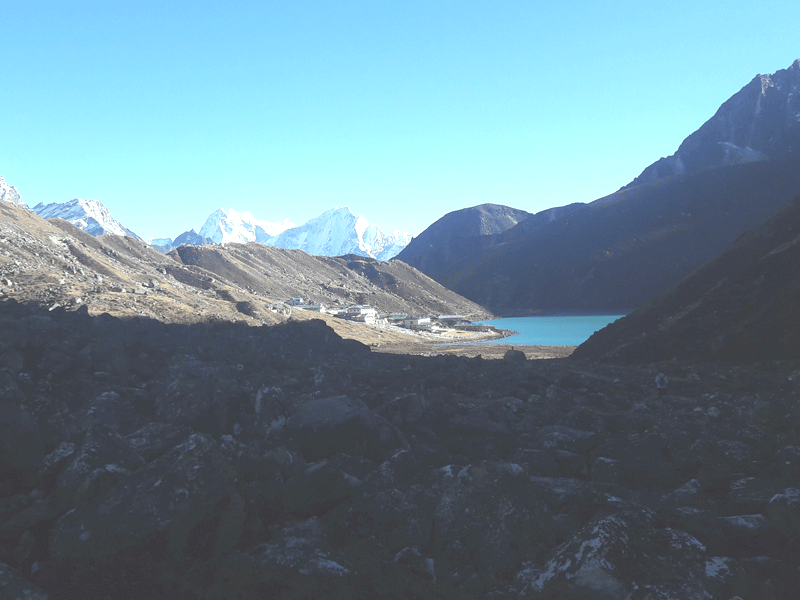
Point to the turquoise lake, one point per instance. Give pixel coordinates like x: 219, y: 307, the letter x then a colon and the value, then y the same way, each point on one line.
x: 551, y: 330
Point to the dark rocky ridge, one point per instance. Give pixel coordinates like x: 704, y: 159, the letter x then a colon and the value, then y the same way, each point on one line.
x: 147, y: 460
x: 621, y: 251
x: 457, y: 234
x: 760, y: 122
x: 741, y: 306
x: 463, y: 234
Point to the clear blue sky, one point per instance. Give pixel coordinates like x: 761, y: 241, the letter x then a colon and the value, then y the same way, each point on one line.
x: 402, y: 111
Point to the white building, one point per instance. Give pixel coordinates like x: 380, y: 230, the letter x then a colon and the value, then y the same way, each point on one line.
x: 360, y: 311
x: 417, y: 322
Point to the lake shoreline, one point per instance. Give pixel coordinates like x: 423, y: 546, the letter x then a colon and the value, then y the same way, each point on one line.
x: 540, y: 312
x: 563, y: 329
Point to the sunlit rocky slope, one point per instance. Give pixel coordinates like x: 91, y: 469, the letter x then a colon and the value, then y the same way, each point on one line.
x: 57, y: 264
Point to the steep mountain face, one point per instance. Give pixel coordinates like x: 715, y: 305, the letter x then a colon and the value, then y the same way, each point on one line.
x: 337, y: 232
x: 742, y: 306
x: 224, y: 226
x: 9, y: 193
x: 460, y: 233
x: 760, y: 122
x: 619, y: 252
x: 89, y: 215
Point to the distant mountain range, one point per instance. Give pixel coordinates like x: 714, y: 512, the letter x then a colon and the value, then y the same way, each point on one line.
x: 336, y: 232
x: 619, y: 252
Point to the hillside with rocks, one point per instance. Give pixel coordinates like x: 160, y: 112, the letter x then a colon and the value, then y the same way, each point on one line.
x: 143, y: 459
x: 57, y: 264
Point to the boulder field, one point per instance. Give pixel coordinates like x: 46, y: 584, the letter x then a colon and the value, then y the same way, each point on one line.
x: 145, y: 460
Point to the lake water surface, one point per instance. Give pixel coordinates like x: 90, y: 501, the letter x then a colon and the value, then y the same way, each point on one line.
x: 551, y: 330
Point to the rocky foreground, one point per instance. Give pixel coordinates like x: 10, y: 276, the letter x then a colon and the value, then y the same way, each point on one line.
x: 145, y: 460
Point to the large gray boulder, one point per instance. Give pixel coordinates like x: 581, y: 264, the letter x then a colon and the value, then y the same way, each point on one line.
x: 21, y: 446
x: 13, y: 586
x: 621, y: 556
x: 299, y: 556
x: 164, y: 500
x: 488, y: 520
x: 102, y: 450
x: 326, y: 426
x: 195, y: 393
x: 155, y: 438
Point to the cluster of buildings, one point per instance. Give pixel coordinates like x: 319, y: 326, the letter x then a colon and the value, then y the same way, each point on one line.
x: 371, y: 316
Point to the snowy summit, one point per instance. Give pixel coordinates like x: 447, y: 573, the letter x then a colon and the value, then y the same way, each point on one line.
x: 334, y: 233
x: 9, y: 193
x: 224, y: 226
x: 337, y: 232
x: 89, y: 215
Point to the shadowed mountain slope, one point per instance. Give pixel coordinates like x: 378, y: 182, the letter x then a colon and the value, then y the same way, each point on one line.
x: 459, y: 233
x: 741, y: 306
x: 623, y: 250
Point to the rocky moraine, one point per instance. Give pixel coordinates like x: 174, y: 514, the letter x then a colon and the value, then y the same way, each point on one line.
x: 147, y: 460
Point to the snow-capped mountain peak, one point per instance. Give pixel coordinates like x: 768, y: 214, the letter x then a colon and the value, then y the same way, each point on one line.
x: 9, y: 193
x: 223, y: 226
x: 338, y: 231
x: 89, y: 215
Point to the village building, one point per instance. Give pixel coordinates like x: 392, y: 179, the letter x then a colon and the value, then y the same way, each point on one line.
x: 451, y: 320
x: 320, y: 308
x: 417, y: 322
x: 361, y: 313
